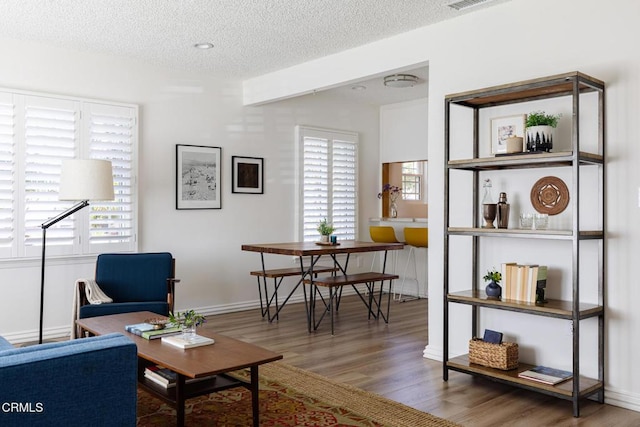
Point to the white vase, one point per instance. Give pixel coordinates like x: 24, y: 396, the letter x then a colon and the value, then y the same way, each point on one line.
x: 539, y: 138
x: 324, y: 238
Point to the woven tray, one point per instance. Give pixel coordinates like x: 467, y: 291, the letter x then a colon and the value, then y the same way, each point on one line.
x: 549, y: 195
x: 500, y: 356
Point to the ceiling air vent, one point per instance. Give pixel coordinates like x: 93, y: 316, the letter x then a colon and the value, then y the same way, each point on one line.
x: 465, y: 4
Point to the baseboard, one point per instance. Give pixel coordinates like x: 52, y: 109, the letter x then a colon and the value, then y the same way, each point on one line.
x: 432, y: 352
x: 622, y: 399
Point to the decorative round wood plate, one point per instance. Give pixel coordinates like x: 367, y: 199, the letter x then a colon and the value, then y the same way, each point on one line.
x: 550, y: 195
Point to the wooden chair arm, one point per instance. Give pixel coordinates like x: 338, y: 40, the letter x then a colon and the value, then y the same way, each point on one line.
x: 171, y: 292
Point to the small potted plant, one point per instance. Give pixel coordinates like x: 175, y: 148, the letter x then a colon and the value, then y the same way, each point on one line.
x: 493, y: 289
x: 325, y: 229
x: 539, y: 130
x: 188, y: 320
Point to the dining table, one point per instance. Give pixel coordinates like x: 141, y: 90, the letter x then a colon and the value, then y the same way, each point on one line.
x: 308, y: 254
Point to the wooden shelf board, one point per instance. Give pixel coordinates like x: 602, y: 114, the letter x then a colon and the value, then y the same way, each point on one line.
x: 588, y: 386
x: 552, y: 308
x: 547, y: 87
x: 524, y: 233
x: 561, y: 158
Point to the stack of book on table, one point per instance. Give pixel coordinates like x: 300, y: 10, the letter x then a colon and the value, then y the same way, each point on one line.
x: 166, y: 377
x: 546, y: 375
x: 149, y: 331
x: 520, y: 282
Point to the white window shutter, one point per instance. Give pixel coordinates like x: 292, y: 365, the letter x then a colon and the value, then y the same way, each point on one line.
x: 51, y: 132
x: 8, y: 188
x: 112, y: 133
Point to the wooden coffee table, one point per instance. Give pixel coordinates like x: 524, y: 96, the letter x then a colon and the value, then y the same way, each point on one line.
x: 225, y: 355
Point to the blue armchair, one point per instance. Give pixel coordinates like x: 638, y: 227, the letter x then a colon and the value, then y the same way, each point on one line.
x: 135, y: 282
x: 84, y: 382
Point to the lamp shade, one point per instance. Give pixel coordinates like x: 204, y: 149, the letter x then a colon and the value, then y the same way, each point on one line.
x: 86, y: 179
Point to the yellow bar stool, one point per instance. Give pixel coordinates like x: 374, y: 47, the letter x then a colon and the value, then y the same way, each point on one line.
x: 416, y: 238
x: 383, y: 234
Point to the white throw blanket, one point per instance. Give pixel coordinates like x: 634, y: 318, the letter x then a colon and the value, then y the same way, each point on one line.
x: 94, y: 295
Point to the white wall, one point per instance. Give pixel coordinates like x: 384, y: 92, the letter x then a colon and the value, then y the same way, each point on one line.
x: 515, y: 41
x: 403, y: 131
x: 180, y: 108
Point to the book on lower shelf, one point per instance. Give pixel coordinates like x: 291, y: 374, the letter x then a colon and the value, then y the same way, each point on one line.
x: 166, y: 377
x: 522, y: 282
x: 194, y: 341
x: 149, y: 332
x: 546, y: 375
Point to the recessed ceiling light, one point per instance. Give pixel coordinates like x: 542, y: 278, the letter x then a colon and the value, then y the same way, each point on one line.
x: 203, y: 45
x: 358, y: 87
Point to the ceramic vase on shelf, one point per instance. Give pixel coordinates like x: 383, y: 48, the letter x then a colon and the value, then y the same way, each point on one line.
x: 493, y: 290
x: 539, y: 138
x: 393, y: 210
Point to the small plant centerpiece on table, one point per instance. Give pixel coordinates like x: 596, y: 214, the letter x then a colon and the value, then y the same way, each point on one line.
x: 188, y: 320
x: 539, y: 130
x: 394, y: 192
x: 325, y: 229
x: 493, y: 289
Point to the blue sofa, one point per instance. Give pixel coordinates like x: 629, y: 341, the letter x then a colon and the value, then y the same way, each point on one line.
x: 83, y: 382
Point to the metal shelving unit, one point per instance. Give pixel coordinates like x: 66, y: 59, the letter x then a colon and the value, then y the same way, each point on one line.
x: 571, y: 85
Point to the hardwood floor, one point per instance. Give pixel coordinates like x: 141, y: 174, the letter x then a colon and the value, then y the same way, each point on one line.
x: 386, y: 359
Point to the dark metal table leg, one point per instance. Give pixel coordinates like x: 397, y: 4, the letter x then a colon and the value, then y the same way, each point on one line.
x: 180, y: 400
x: 254, y: 396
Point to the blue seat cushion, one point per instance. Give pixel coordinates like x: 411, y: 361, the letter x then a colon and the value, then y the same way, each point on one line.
x: 93, y: 310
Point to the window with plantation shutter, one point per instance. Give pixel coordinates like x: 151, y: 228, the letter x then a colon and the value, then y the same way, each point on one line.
x: 39, y: 131
x: 328, y: 182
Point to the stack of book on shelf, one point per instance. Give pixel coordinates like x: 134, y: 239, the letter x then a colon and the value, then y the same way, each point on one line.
x: 166, y: 377
x: 546, y: 375
x: 149, y: 332
x: 521, y: 282
x: 193, y: 341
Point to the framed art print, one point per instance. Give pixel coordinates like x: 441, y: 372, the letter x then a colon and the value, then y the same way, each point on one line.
x: 503, y: 128
x: 247, y: 175
x: 198, y: 177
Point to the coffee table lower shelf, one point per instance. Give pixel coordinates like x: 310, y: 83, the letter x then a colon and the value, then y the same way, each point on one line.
x: 564, y: 390
x: 219, y: 383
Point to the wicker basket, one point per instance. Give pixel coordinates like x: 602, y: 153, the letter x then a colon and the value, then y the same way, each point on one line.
x: 500, y: 356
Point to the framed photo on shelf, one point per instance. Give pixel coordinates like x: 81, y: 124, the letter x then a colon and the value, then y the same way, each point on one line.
x: 503, y: 128
x: 198, y: 177
x: 247, y: 175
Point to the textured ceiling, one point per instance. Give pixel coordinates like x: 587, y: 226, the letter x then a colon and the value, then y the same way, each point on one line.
x: 251, y: 37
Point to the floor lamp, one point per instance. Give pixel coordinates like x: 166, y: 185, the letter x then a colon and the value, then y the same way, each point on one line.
x: 81, y: 180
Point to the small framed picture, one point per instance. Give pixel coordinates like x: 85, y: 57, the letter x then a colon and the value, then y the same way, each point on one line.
x: 198, y: 177
x: 247, y: 175
x: 503, y: 128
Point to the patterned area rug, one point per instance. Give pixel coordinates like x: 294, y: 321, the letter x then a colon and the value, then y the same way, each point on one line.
x: 289, y: 397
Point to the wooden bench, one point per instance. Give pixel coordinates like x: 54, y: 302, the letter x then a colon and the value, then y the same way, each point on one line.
x: 369, y: 279
x: 277, y: 274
